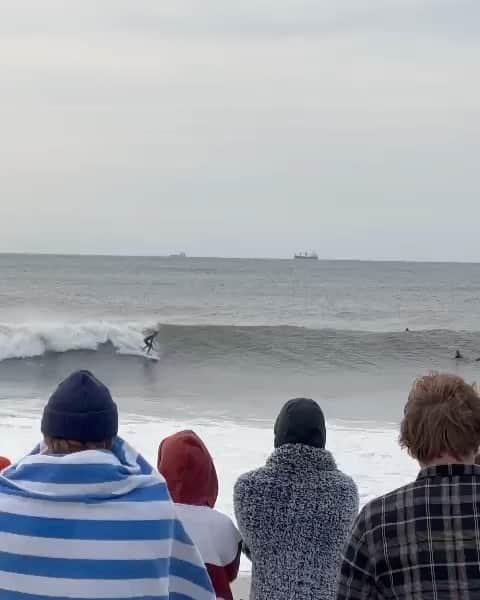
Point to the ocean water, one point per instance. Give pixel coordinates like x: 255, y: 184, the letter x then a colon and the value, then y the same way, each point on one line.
x: 237, y: 338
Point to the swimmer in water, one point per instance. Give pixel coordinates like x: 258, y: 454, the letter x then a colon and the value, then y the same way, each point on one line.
x: 148, y: 341
x: 458, y: 355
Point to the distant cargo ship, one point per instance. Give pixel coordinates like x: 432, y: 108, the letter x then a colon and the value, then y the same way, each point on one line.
x: 179, y: 255
x: 308, y: 255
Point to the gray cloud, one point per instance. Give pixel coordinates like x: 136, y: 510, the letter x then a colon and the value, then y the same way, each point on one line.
x: 249, y: 130
x: 252, y: 17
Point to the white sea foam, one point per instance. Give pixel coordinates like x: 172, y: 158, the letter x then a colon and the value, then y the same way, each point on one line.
x: 26, y: 340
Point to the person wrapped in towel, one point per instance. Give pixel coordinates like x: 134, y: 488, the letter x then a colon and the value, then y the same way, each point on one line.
x: 188, y: 468
x: 85, y: 516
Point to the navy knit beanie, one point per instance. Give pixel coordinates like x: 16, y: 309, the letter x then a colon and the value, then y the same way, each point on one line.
x: 301, y: 421
x: 81, y: 409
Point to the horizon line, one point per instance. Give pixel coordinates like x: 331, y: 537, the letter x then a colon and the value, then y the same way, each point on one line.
x: 206, y: 257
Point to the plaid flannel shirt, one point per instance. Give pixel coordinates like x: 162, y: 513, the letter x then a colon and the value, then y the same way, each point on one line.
x: 421, y: 541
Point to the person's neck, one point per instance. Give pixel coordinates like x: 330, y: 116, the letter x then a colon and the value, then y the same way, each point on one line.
x: 448, y: 459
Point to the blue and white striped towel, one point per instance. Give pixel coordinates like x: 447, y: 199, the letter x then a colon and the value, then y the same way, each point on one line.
x: 91, y: 525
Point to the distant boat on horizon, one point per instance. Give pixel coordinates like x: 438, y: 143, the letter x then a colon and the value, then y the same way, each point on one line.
x: 307, y: 255
x: 178, y: 255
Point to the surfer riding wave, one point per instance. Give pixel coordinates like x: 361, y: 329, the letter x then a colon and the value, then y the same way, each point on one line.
x: 148, y: 341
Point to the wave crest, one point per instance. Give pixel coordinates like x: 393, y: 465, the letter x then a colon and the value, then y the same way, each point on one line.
x: 259, y: 345
x: 28, y: 340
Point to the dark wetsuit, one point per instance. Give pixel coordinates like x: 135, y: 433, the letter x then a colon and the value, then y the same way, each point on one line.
x: 148, y: 341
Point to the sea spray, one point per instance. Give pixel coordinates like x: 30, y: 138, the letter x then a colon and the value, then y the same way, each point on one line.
x: 27, y: 340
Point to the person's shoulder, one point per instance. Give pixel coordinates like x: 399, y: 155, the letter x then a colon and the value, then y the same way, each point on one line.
x: 384, y: 507
x: 394, y: 497
x: 214, y: 519
x: 252, y: 483
x: 225, y: 523
x: 252, y: 477
x: 155, y: 493
x: 342, y: 488
x: 344, y: 481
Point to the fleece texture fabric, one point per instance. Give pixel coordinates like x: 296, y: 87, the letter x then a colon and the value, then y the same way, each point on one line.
x: 295, y: 515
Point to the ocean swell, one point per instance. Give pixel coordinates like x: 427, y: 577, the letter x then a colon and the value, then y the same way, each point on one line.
x: 292, y: 347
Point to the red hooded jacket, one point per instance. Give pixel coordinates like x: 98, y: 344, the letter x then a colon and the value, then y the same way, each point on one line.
x: 188, y: 468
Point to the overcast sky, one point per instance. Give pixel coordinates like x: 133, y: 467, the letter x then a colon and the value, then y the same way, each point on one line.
x: 252, y: 128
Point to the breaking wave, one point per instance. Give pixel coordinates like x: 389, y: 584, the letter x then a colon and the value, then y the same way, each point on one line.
x: 258, y: 345
x: 29, y: 340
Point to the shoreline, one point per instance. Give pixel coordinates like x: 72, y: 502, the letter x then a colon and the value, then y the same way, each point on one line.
x: 241, y: 587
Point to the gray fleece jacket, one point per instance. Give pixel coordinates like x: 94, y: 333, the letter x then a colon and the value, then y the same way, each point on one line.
x: 295, y: 515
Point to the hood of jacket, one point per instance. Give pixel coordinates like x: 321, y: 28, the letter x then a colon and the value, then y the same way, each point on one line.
x: 301, y: 421
x: 188, y: 468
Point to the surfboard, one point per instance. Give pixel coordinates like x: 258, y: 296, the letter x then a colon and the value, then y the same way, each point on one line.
x: 153, y: 356
x: 150, y: 356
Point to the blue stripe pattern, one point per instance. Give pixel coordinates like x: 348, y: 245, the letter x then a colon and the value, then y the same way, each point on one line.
x: 58, y: 474
x: 195, y: 574
x: 76, y: 529
x: 156, y: 492
x: 123, y: 477
x: 86, y: 569
x: 8, y: 595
